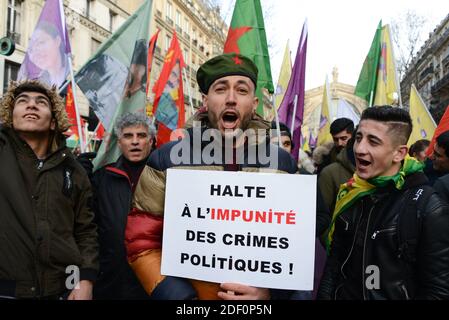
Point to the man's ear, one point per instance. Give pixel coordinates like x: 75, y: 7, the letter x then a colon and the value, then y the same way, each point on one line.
x: 53, y: 124
x: 400, y: 153
x: 255, y: 104
x: 205, y: 102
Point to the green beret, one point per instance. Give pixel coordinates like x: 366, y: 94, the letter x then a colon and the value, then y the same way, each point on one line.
x: 229, y: 64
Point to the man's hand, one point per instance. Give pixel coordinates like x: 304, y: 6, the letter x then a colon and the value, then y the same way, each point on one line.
x: 235, y: 291
x: 83, y: 293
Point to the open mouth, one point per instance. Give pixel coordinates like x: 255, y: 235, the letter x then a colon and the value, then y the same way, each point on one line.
x: 135, y: 150
x: 229, y: 119
x: 363, y: 163
x: 31, y: 116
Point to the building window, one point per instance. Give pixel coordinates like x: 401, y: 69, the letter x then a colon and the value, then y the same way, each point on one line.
x: 13, y: 19
x: 169, y: 9
x: 167, y: 42
x: 186, y: 26
x: 95, y: 44
x: 89, y: 5
x: 10, y: 73
x: 178, y: 18
x: 186, y: 56
x: 112, y: 18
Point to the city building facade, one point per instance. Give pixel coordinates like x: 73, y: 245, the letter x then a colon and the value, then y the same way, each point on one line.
x: 429, y: 71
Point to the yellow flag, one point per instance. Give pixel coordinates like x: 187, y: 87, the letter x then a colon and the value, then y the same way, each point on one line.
x: 305, y: 146
x: 324, y: 134
x: 423, y: 123
x: 387, y: 87
x: 284, y: 76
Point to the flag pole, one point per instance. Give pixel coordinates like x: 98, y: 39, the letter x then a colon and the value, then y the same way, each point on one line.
x: 78, y: 120
x: 188, y: 90
x: 276, y: 116
x: 294, y: 113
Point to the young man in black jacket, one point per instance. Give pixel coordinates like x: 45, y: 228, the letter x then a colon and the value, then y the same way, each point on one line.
x: 370, y: 259
x: 48, y: 241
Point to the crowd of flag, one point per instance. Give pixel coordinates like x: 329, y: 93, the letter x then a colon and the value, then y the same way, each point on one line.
x: 105, y: 75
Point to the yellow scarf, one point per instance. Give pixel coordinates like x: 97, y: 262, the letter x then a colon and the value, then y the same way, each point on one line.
x: 357, y: 188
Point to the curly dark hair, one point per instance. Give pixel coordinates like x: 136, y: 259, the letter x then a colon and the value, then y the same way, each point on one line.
x: 16, y: 88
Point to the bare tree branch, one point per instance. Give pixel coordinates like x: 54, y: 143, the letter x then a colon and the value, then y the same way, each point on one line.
x: 407, y: 31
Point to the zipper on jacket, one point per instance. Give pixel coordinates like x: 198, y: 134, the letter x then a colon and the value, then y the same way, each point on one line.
x: 346, y: 223
x: 404, y: 290
x: 364, y: 251
x: 376, y: 233
x: 350, y: 252
x: 353, y: 243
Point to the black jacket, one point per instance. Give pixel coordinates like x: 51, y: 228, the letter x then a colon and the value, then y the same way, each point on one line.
x: 441, y: 186
x: 366, y: 236
x: 112, y: 202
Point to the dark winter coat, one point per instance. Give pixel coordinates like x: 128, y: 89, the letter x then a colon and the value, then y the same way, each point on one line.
x: 46, y: 223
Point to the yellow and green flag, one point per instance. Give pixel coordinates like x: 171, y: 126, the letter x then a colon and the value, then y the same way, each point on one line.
x: 324, y: 134
x: 284, y: 76
x: 366, y: 84
x: 387, y: 87
x: 423, y: 123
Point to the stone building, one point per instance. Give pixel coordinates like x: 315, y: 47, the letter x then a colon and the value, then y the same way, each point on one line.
x: 429, y: 71
x: 343, y: 104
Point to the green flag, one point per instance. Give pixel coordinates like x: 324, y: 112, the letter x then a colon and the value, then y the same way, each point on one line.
x: 114, y: 79
x: 366, y: 85
x: 247, y: 36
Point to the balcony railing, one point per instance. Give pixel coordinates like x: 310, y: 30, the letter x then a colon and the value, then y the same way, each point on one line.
x: 169, y: 20
x: 446, y: 61
x: 426, y: 72
x: 440, y: 85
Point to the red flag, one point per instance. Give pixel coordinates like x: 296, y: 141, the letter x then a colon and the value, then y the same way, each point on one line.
x: 99, y: 134
x: 442, y: 127
x: 151, y: 49
x: 169, y: 94
x: 71, y: 113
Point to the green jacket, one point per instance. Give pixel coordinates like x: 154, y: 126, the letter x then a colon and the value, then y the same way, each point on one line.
x: 332, y: 176
x: 46, y: 223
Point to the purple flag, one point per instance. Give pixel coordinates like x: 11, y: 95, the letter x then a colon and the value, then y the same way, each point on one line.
x: 296, y: 88
x: 47, y: 55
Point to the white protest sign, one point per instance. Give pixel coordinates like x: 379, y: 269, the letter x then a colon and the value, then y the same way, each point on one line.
x: 256, y: 229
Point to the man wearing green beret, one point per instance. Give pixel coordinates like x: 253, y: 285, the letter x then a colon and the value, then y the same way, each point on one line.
x: 228, y: 84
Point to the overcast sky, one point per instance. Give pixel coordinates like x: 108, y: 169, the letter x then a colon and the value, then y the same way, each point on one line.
x: 340, y: 32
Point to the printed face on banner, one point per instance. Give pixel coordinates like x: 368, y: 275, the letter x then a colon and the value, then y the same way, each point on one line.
x: 103, y: 85
x: 46, y: 59
x: 256, y: 229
